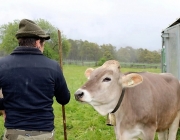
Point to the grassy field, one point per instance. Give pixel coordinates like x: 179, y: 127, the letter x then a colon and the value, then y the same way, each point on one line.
x: 83, y: 122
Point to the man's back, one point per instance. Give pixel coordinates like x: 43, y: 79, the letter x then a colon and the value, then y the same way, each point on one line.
x: 29, y: 81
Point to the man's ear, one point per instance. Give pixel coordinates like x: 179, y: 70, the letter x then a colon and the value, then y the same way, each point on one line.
x: 88, y: 72
x: 131, y: 80
x: 37, y: 43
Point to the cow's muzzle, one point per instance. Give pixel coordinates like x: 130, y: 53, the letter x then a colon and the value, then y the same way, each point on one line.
x: 79, y: 95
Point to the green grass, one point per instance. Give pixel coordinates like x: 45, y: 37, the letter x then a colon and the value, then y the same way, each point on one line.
x: 82, y: 121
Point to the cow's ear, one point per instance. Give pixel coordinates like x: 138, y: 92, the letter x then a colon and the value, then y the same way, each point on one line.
x: 131, y: 80
x: 88, y: 72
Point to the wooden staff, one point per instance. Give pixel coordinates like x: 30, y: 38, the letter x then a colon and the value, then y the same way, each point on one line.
x: 61, y: 65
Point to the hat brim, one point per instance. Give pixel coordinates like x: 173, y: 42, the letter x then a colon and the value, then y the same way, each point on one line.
x: 23, y: 35
x: 46, y: 37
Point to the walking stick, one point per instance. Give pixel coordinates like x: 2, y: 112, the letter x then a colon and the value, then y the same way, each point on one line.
x: 61, y: 65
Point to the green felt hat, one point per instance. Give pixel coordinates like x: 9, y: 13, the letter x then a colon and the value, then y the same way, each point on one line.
x: 28, y: 28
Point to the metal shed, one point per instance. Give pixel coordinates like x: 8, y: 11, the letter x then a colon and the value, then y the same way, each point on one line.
x: 171, y: 49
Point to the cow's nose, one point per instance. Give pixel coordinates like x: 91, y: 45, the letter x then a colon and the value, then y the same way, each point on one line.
x: 79, y: 94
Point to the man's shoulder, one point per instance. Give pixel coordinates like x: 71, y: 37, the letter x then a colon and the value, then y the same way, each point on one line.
x: 4, y: 58
x: 53, y: 64
x: 50, y: 60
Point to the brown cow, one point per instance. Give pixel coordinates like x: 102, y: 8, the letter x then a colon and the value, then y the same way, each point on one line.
x: 151, y: 101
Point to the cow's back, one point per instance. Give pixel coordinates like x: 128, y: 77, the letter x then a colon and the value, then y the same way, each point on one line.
x: 155, y: 101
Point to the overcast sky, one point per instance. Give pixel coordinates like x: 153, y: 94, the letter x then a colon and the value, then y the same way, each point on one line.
x: 135, y: 23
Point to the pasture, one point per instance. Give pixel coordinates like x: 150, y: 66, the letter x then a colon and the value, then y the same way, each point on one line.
x: 83, y: 122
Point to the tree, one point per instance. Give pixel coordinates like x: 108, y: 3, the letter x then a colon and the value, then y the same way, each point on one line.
x: 84, y: 50
x: 108, y: 51
x: 124, y: 54
x: 90, y: 51
x: 95, y: 52
x: 7, y: 36
x: 74, y: 51
x: 9, y: 41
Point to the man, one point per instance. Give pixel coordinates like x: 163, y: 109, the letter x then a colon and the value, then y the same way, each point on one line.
x: 29, y: 81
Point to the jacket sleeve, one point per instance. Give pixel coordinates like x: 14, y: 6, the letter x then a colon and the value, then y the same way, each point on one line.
x: 62, y: 93
x: 1, y: 103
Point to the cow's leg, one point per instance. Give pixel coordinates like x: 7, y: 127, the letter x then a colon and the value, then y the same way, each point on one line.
x: 174, y: 128
x: 117, y: 132
x: 131, y: 134
x: 163, y: 135
x: 149, y: 132
x: 133, y: 137
x: 135, y: 134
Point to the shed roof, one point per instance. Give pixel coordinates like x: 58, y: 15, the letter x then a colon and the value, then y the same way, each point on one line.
x: 174, y: 23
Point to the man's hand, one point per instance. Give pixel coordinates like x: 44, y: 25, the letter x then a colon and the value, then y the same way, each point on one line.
x: 2, y: 112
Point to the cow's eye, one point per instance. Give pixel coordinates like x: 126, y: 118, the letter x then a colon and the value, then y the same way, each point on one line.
x: 106, y: 79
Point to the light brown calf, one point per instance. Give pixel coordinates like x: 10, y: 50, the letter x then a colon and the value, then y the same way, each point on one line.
x: 151, y: 101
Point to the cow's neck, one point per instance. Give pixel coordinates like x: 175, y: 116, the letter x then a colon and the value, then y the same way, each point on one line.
x: 110, y: 107
x: 119, y: 101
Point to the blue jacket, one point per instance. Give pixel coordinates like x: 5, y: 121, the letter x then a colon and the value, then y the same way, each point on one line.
x: 29, y: 81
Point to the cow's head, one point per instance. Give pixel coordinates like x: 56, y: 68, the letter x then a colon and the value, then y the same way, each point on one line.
x: 104, y: 86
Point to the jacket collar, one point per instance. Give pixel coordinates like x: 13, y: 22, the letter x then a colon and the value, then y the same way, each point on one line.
x: 26, y: 50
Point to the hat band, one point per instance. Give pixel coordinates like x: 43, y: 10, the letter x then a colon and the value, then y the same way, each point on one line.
x: 34, y: 32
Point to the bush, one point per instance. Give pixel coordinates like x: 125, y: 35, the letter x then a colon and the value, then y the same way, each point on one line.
x: 101, y: 61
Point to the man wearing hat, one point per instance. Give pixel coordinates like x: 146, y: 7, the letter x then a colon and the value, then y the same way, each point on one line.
x: 29, y: 81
